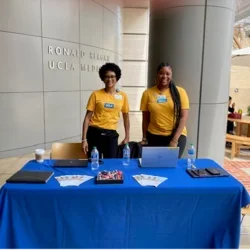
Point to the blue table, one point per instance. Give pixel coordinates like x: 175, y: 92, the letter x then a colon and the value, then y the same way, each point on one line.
x: 180, y: 213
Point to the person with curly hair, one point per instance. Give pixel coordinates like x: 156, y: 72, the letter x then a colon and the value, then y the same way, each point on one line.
x: 165, y: 111
x: 103, y: 113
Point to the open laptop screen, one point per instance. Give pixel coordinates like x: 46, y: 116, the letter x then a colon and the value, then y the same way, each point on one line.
x: 166, y: 157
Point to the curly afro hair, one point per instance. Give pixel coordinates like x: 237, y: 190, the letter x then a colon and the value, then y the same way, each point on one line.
x: 110, y: 67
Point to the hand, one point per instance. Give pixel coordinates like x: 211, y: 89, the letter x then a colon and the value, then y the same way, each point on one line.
x: 173, y: 144
x: 126, y: 140
x: 233, y: 105
x: 85, y: 147
x: 144, y: 142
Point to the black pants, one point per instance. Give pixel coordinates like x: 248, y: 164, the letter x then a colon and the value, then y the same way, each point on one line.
x: 230, y: 127
x: 106, y: 142
x: 163, y: 141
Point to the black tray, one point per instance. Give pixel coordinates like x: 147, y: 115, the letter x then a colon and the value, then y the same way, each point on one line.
x: 108, y: 181
x: 204, y: 173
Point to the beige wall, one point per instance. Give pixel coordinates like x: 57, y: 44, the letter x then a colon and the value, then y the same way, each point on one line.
x: 40, y: 104
x: 135, y: 62
x: 240, y: 81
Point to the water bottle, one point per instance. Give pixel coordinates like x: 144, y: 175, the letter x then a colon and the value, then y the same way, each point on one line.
x: 94, y: 159
x: 191, y: 157
x: 126, y: 155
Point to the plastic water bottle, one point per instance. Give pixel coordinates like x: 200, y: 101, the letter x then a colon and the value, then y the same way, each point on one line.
x: 126, y: 155
x: 94, y: 159
x: 191, y: 156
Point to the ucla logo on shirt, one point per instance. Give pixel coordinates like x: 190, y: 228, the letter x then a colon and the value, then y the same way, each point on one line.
x: 109, y: 105
x: 161, y: 99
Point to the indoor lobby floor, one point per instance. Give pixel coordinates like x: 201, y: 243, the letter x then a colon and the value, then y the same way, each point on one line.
x: 239, y: 168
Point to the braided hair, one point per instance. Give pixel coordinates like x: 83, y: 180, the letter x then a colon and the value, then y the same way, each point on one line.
x: 176, y: 99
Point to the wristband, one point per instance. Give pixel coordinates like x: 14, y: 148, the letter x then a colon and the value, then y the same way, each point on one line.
x: 176, y: 141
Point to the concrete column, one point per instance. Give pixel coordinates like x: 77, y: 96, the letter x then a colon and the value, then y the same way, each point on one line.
x: 134, y: 65
x: 195, y: 37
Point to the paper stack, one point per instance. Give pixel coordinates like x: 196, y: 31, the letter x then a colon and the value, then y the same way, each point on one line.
x: 149, y: 180
x: 72, y: 180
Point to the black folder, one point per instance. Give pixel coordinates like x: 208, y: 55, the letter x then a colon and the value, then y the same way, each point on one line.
x: 30, y: 177
x: 207, y: 172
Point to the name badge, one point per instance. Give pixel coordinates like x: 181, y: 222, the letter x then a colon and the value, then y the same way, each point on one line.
x: 109, y: 105
x: 161, y: 99
x: 118, y: 97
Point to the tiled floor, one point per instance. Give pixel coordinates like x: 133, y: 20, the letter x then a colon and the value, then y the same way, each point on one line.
x: 240, y: 170
x: 239, y: 167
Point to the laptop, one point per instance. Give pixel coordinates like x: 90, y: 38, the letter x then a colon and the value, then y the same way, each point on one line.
x: 71, y: 163
x: 160, y: 157
x: 30, y: 177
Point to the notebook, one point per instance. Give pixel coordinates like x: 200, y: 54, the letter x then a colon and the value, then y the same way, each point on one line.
x: 30, y: 177
x: 71, y: 163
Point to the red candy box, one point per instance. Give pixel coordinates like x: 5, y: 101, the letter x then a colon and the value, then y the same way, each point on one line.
x: 109, y: 177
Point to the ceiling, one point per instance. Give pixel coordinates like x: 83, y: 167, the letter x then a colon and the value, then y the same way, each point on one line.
x: 242, y: 13
x: 242, y: 10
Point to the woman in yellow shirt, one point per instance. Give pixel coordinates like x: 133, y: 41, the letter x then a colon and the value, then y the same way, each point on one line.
x: 103, y: 113
x: 165, y: 112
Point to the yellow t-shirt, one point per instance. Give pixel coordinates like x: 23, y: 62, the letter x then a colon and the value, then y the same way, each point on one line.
x: 161, y: 108
x: 106, y: 108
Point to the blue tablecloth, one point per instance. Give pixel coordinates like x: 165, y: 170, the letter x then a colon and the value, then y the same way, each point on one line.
x: 180, y: 213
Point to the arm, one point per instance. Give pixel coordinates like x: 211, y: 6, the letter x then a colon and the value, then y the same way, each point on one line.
x: 126, y: 123
x: 145, y: 123
x: 85, y: 127
x: 145, y: 116
x: 86, y: 124
x: 182, y: 124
